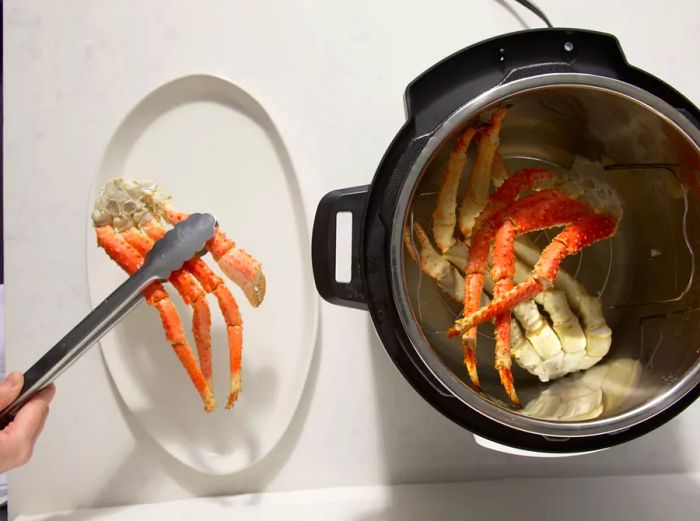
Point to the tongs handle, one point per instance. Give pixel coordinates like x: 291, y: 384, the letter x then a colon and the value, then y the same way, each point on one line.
x: 79, y: 339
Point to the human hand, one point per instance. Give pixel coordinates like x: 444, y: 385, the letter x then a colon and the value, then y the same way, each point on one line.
x: 18, y: 438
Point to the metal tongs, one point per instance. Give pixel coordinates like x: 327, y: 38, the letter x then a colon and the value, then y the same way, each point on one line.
x: 187, y: 239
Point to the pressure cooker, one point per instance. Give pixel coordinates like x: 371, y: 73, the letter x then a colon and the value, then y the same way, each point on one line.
x: 572, y: 96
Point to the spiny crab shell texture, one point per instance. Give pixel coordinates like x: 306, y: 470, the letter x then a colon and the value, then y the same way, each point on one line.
x: 123, y: 203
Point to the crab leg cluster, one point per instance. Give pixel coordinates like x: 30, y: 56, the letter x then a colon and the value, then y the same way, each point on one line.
x: 130, y: 261
x: 540, y: 210
x: 127, y: 219
x: 548, y: 346
x: 489, y: 224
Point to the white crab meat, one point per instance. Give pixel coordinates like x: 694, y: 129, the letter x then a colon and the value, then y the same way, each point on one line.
x: 586, y: 395
x: 598, y: 334
x: 560, y: 345
x: 123, y: 203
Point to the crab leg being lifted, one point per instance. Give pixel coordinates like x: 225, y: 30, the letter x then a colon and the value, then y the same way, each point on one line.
x: 193, y: 295
x: 130, y: 261
x: 128, y: 217
x: 190, y: 292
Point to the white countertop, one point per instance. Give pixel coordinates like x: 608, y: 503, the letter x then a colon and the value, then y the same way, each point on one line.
x: 331, y: 75
x: 639, y: 497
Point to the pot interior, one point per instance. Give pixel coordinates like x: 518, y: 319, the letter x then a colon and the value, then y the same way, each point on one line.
x: 645, y: 276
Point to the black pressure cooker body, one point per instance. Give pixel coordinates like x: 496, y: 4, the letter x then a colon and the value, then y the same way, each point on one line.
x: 430, y: 100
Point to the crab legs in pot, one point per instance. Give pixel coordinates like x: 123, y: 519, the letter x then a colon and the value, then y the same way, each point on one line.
x: 129, y: 216
x: 549, y: 343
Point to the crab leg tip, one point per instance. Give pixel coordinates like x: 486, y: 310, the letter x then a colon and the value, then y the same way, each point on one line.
x: 507, y: 381
x: 209, y: 405
x: 232, y: 399
x: 470, y: 362
x: 235, y: 390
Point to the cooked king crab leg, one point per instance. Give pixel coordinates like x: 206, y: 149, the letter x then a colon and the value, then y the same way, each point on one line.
x: 503, y: 281
x: 581, y: 350
x: 476, y: 195
x: 445, y: 215
x: 194, y: 296
x: 548, y: 353
x: 190, y: 292
x: 130, y: 261
x: 542, y: 213
x: 576, y: 236
x: 451, y: 282
x: 130, y: 205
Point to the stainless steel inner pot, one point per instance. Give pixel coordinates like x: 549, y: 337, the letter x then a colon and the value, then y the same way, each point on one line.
x: 645, y: 275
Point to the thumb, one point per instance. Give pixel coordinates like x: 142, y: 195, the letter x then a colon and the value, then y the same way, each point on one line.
x: 10, y: 388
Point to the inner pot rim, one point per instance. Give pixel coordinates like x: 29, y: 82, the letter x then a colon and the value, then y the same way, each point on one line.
x: 428, y: 356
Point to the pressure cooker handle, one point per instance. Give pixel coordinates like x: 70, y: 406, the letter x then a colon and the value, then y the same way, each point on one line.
x: 323, y: 242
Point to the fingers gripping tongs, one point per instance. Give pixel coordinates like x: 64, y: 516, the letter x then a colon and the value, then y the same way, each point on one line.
x: 178, y: 245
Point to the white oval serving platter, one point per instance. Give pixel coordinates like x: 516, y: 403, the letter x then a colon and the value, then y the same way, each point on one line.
x: 214, y: 149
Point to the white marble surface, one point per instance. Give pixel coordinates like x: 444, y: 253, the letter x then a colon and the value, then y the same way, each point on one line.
x: 331, y: 75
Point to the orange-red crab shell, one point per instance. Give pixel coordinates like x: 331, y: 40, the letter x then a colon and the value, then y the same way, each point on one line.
x: 129, y: 216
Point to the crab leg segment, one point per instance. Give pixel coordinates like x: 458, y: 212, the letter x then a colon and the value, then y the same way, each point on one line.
x: 212, y: 283
x: 502, y: 276
x: 503, y: 329
x: 477, y: 192
x: 499, y: 172
x: 436, y: 266
x: 190, y: 292
x: 444, y: 216
x: 236, y: 263
x: 130, y: 261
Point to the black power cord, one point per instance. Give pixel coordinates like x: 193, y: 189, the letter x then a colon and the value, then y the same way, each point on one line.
x: 532, y: 7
